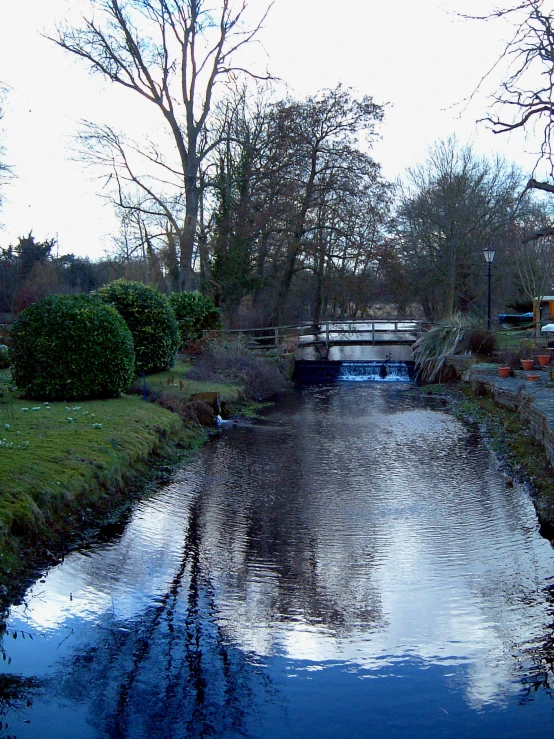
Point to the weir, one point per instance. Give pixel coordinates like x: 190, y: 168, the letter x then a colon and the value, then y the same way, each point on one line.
x: 324, y: 371
x: 373, y: 351
x: 354, y: 351
x: 359, y: 351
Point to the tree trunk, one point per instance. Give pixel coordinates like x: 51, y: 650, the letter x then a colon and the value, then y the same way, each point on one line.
x: 204, y: 252
x: 188, y: 234
x: 451, y: 285
x: 260, y: 268
x: 319, y: 273
x: 286, y: 280
x: 186, y: 273
x: 318, y: 299
x: 172, y: 262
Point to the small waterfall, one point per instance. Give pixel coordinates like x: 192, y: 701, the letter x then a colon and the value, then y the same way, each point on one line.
x: 307, y: 372
x: 377, y: 371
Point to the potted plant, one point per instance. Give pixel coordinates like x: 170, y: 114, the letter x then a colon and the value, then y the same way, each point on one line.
x: 527, y: 364
x: 533, y: 377
x: 504, y: 372
x: 544, y: 360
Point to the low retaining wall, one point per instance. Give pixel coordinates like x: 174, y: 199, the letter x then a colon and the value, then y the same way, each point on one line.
x: 460, y: 362
x: 534, y: 401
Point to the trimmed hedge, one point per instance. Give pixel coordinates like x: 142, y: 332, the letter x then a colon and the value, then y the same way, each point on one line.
x: 151, y: 321
x: 71, y: 347
x: 195, y: 313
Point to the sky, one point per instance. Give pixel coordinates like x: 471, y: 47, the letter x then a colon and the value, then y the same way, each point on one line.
x: 420, y: 58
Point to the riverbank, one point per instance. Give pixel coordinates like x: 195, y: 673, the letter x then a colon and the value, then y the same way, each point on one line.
x: 513, y: 418
x: 68, y: 467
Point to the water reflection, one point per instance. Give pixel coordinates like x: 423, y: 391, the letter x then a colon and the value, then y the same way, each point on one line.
x: 356, y: 534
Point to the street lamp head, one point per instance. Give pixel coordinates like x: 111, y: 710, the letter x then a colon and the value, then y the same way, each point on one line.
x: 489, y: 253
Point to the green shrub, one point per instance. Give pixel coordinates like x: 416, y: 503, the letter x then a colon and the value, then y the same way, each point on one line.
x: 195, y: 313
x: 480, y: 341
x: 70, y: 347
x: 4, y: 357
x: 151, y: 321
x: 231, y: 362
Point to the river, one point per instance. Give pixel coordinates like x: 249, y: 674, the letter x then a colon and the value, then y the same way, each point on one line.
x: 354, y: 565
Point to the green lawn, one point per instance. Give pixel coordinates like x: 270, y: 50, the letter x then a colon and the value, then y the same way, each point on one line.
x: 59, y: 461
x: 175, y: 380
x: 511, y: 339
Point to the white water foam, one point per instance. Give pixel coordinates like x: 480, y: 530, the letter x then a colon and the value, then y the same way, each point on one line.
x: 374, y: 372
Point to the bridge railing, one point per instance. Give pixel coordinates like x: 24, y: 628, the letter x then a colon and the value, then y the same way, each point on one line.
x: 263, y: 338
x: 337, y: 330
x: 327, y: 331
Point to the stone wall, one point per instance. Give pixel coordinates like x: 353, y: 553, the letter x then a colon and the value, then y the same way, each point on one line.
x: 535, y: 403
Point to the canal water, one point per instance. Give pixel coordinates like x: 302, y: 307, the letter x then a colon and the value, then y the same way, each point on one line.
x: 354, y: 565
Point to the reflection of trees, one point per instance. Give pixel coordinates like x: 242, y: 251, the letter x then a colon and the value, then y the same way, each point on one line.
x: 538, y: 659
x: 280, y: 543
x: 16, y: 694
x: 170, y: 673
x: 290, y: 563
x: 278, y: 527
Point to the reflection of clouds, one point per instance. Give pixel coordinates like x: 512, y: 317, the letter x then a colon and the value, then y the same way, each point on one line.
x: 122, y: 578
x: 350, y: 530
x: 410, y: 522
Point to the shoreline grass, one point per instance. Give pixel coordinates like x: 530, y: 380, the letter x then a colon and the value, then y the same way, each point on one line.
x: 65, y: 465
x: 176, y: 381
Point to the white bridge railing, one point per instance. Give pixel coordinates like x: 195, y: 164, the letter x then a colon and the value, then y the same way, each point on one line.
x: 328, y: 333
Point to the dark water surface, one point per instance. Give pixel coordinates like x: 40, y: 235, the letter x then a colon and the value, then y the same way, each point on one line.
x: 353, y: 566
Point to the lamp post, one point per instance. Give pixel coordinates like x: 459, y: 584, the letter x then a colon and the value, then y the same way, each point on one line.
x: 489, y: 253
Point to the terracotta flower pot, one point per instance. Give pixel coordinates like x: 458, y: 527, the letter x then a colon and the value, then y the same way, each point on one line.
x: 504, y: 372
x: 527, y: 364
x: 533, y: 377
x: 544, y: 360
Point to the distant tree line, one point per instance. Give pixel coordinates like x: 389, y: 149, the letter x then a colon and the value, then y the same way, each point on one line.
x: 31, y: 269
x: 273, y: 207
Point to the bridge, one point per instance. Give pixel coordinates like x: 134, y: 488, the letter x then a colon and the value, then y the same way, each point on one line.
x: 328, y: 334
x: 361, y: 333
x: 348, y: 350
x: 339, y: 350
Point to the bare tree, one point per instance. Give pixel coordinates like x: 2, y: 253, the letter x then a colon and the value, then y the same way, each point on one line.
x: 6, y: 172
x: 322, y: 133
x: 535, y: 264
x: 292, y: 201
x: 525, y: 98
x: 451, y: 208
x: 172, y: 53
x: 533, y: 253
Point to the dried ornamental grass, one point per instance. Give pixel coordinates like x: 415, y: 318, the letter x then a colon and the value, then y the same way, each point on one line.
x: 431, y: 350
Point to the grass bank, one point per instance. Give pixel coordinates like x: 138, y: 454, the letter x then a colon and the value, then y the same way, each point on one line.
x: 65, y: 466
x: 176, y: 382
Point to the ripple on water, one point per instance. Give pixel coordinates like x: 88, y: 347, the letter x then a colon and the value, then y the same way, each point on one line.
x: 355, y: 534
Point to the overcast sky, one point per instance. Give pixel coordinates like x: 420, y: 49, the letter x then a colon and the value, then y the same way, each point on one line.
x: 419, y: 57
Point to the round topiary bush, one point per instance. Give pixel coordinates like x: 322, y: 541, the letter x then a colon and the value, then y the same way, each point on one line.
x: 71, y: 347
x: 195, y: 313
x: 150, y: 319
